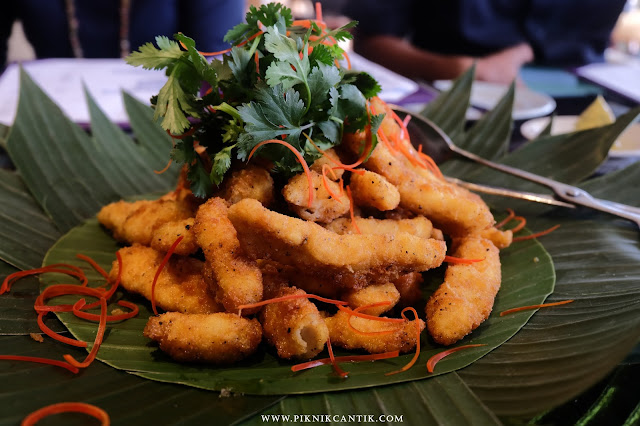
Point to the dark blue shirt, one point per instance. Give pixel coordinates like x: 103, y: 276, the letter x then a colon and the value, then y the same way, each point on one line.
x: 47, y: 28
x: 561, y: 32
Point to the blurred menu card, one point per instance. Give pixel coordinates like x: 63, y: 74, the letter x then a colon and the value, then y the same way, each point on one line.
x: 64, y: 80
x: 621, y: 78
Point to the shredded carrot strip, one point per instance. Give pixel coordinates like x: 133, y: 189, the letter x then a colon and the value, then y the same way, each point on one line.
x: 93, y: 264
x: 431, y: 165
x: 536, y: 235
x: 120, y: 317
x: 451, y: 259
x: 60, y: 268
x: 67, y: 407
x: 291, y: 297
x: 189, y: 132
x: 325, y: 167
x: 353, y: 217
x: 417, y: 354
x: 507, y: 219
x: 256, y: 58
x: 160, y: 268
x: 371, y: 317
x: 319, y: 11
x: 46, y: 330
x: 431, y: 363
x: 39, y: 360
x: 519, y: 226
x: 99, y: 335
x: 300, y: 158
x: 222, y: 52
x: 526, y: 308
x: 353, y: 358
x: 338, y: 163
x: 165, y: 168
x: 62, y: 290
x: 346, y: 57
x: 339, y: 371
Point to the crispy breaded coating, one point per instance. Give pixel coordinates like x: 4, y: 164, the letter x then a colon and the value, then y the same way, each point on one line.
x: 295, y: 327
x: 402, y: 339
x: 219, y: 338
x: 374, y: 293
x: 419, y: 226
x: 167, y: 233
x: 238, y: 279
x: 290, y: 275
x: 373, y: 190
x: 324, y: 207
x: 355, y: 258
x: 180, y: 286
x: 249, y: 182
x: 500, y: 239
x: 329, y: 155
x: 465, y: 298
x: 135, y: 222
x: 408, y: 285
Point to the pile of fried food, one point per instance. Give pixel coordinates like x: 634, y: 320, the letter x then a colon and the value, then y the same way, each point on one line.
x: 253, y: 241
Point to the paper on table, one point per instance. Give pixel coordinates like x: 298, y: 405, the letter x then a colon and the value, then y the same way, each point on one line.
x: 63, y: 81
x: 394, y: 86
x: 622, y: 78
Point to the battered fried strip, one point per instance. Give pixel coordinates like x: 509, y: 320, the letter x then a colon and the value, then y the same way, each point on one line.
x: 295, y: 327
x: 402, y: 338
x: 180, y: 286
x: 165, y: 235
x: 372, y: 294
x: 249, y: 182
x: 324, y: 208
x: 408, y: 285
x: 500, y: 239
x: 465, y: 298
x: 373, y: 190
x: 326, y: 159
x: 219, y: 338
x: 353, y: 260
x: 419, y: 226
x: 320, y: 286
x: 112, y: 216
x: 238, y: 279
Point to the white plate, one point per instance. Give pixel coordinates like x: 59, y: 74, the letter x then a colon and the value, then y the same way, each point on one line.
x: 527, y: 103
x: 627, y: 145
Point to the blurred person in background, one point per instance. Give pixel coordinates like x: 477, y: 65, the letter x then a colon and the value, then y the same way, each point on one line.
x: 113, y: 28
x: 431, y: 40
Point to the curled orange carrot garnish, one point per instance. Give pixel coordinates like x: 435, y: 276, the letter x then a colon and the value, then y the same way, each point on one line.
x: 507, y: 219
x: 39, y: 360
x: 451, y: 259
x: 102, y: 325
x: 536, y: 235
x: 369, y: 333
x: 300, y: 158
x: 351, y: 213
x: 67, y: 407
x: 417, y: 354
x: 371, y: 317
x: 160, y: 268
x: 291, y: 297
x: 326, y: 167
x: 431, y: 363
x: 339, y: 371
x: 120, y: 317
x: 55, y: 336
x: 520, y: 225
x: 526, y: 308
x: 61, y: 268
x: 352, y: 358
x: 93, y: 264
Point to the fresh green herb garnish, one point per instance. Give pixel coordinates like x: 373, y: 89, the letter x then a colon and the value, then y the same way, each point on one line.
x: 280, y: 80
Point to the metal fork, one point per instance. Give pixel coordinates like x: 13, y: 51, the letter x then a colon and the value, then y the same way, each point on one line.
x: 566, y: 194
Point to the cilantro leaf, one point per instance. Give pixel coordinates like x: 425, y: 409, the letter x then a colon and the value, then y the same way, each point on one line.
x: 149, y: 57
x: 173, y: 104
x: 368, y: 85
x: 321, y: 80
x: 221, y: 163
x: 201, y: 65
x: 291, y: 67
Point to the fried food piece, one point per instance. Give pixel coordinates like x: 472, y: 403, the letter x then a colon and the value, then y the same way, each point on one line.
x: 408, y: 285
x: 402, y: 338
x: 135, y: 222
x: 290, y: 275
x: 238, y: 279
x: 324, y: 207
x: 465, y: 298
x: 180, y: 286
x: 419, y: 226
x: 166, y: 234
x: 248, y: 182
x: 295, y: 327
x: 500, y: 239
x: 452, y: 208
x: 373, y: 190
x: 374, y: 293
x: 326, y: 159
x: 219, y: 338
x: 353, y: 260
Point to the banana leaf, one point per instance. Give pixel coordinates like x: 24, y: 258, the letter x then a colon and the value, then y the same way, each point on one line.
x: 549, y: 361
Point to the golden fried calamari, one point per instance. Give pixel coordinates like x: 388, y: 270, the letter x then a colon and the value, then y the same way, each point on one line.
x: 295, y: 327
x: 354, y: 259
x: 419, y: 226
x: 465, y: 298
x: 219, y: 338
x: 373, y: 294
x: 180, y: 286
x: 249, y: 182
x: 166, y: 234
x: 324, y: 207
x: 237, y: 278
x: 370, y: 189
x: 401, y: 338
